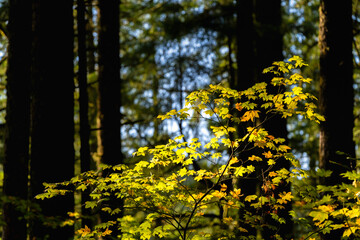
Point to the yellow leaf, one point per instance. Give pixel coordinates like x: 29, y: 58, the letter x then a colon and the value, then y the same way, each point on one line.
x: 84, y: 231
x: 255, y: 158
x: 250, y: 198
x: 297, y: 90
x: 285, y: 197
x: 243, y: 229
x: 179, y: 137
x: 350, y: 231
x: 283, y: 148
x: 326, y: 208
x: 223, y: 187
x: 107, y: 232
x: 234, y: 160
x: 236, y: 193
x: 182, y: 172
x: 354, y: 213
x: 238, y: 107
x: 268, y: 154
x: 219, y: 194
x: 250, y: 115
x: 271, y: 162
x: 272, y: 174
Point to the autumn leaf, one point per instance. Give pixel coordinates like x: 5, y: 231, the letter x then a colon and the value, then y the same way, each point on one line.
x: 182, y: 172
x: 84, y: 231
x: 250, y: 115
x: 255, y: 158
x: 283, y: 148
x: 236, y: 193
x: 285, y: 197
x: 106, y: 232
x: 268, y: 154
x: 326, y: 208
x: 238, y: 107
x: 319, y: 216
x: 219, y: 194
x: 272, y: 174
x: 250, y: 198
x: 297, y: 90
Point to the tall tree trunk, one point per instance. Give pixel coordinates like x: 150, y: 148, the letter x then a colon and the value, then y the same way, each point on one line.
x: 269, y: 46
x: 92, y: 80
x: 245, y: 55
x: 52, y: 133
x: 245, y: 78
x: 85, y: 158
x: 110, y: 92
x: 17, y: 119
x: 336, y: 90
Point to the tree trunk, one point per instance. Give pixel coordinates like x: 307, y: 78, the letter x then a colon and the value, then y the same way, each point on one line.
x: 269, y: 46
x: 245, y: 56
x: 17, y: 120
x: 336, y: 90
x: 85, y: 158
x: 245, y: 78
x: 109, y: 93
x: 52, y: 136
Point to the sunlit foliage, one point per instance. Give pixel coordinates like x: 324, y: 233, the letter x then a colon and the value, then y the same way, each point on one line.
x: 174, y: 201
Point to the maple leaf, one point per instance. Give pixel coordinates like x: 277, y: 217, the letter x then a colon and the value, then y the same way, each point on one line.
x: 182, y: 172
x: 84, y: 231
x: 285, y: 197
x: 219, y: 194
x: 268, y: 154
x: 106, y: 232
x: 255, y: 158
x: 250, y: 115
x: 223, y: 187
x: 272, y: 174
x: 238, y: 107
x: 236, y: 193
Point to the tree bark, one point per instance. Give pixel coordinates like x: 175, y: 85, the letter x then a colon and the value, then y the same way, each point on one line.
x: 110, y: 93
x: 16, y: 159
x: 85, y: 157
x: 336, y: 91
x: 336, y: 98
x: 244, y: 79
x: 269, y: 47
x: 109, y: 81
x: 52, y: 133
x: 245, y: 56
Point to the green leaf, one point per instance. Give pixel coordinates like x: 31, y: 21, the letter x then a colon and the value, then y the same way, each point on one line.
x: 319, y: 215
x: 90, y: 204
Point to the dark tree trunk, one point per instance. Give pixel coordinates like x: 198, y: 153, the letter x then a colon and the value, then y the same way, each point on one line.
x: 245, y: 78
x: 269, y: 46
x: 336, y: 90
x: 109, y: 92
x: 245, y: 56
x: 17, y: 119
x: 52, y: 136
x: 109, y: 82
x: 85, y: 158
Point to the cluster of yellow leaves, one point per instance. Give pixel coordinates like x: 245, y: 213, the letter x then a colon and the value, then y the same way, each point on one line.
x: 87, y: 233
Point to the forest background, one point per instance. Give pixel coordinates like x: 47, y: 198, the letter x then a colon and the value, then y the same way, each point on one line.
x: 82, y: 83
